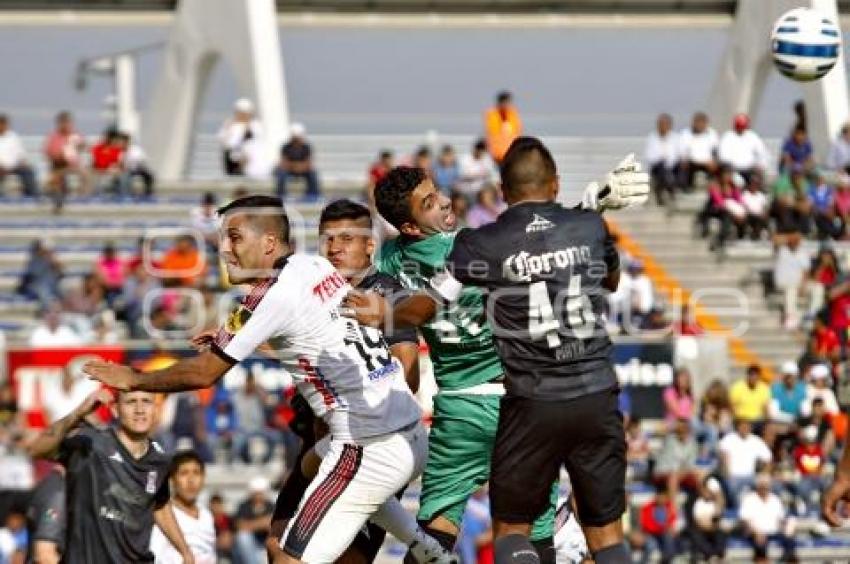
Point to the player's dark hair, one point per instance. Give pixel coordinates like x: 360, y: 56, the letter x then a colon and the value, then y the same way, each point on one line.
x: 392, y: 194
x: 184, y: 457
x: 503, y: 96
x: 528, y: 166
x: 273, y: 212
x: 345, y: 209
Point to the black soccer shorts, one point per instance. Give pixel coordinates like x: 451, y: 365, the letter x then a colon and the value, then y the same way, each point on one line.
x: 536, y: 437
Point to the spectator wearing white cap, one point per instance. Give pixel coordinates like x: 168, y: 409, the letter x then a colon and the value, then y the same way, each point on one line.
x: 819, y: 388
x: 296, y: 161
x: 240, y: 136
x: 253, y: 519
x: 787, y: 395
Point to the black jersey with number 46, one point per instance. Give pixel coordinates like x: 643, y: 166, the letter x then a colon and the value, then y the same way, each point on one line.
x: 544, y: 268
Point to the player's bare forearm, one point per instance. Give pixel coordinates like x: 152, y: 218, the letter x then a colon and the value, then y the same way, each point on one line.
x: 198, y: 372
x: 45, y: 552
x: 408, y: 354
x: 167, y: 523
x: 414, y: 311
x: 46, y: 444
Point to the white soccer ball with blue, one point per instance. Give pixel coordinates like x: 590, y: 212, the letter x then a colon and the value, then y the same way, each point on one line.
x: 805, y: 44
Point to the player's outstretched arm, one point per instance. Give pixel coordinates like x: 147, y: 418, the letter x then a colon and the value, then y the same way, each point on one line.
x: 368, y: 308
x: 838, y: 491
x: 201, y: 371
x: 167, y: 523
x: 46, y: 444
x: 624, y: 187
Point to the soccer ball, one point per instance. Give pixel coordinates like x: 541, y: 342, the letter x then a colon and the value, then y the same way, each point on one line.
x: 805, y: 44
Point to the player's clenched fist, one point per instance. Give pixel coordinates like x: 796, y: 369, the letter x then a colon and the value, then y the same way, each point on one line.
x: 624, y: 187
x: 368, y: 308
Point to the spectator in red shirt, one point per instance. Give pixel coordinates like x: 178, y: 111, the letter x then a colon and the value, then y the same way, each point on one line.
x: 823, y: 274
x: 379, y: 169
x: 223, y: 527
x: 827, y: 345
x: 63, y: 151
x: 687, y: 324
x: 658, y: 519
x: 839, y: 308
x: 809, y: 459
x: 106, y: 161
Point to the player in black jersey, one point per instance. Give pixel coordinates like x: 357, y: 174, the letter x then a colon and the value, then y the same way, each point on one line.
x: 117, y: 482
x: 546, y: 270
x: 346, y: 240
x: 46, y: 519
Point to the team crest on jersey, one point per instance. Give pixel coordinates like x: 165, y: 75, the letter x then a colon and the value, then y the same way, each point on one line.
x: 539, y: 223
x: 150, y: 487
x: 237, y: 319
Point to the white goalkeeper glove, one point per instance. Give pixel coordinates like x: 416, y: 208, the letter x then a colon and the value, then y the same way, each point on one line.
x: 624, y: 187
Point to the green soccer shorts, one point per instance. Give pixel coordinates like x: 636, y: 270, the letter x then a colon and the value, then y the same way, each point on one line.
x: 460, y: 446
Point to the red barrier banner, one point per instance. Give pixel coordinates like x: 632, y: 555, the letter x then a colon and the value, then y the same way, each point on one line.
x: 36, y: 373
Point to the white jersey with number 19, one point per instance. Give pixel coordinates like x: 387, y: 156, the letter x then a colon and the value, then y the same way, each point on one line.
x: 345, y: 371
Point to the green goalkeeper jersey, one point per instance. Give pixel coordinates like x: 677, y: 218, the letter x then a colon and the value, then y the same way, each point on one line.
x: 460, y: 340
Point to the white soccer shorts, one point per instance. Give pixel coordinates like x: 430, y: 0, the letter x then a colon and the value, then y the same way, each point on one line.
x: 352, y: 483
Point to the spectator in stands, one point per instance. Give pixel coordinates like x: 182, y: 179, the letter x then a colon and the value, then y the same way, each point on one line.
x: 658, y: 521
x: 223, y: 527
x: 679, y: 399
x: 791, y: 208
x: 756, y: 208
x: 13, y: 536
x: 42, y: 274
x: 73, y: 387
x: 819, y: 388
x: 820, y: 420
x: 52, y: 332
x: 829, y: 224
x: 763, y: 517
x: 708, y: 539
x: 662, y: 156
x: 502, y: 125
x: 642, y: 295
x: 698, y: 148
x: 188, y: 426
x: 476, y: 529
x: 725, y: 204
x: 687, y: 325
x: 88, y: 299
x: 741, y: 454
x: 206, y: 222
x: 138, y: 284
x: 823, y: 274
x: 249, y: 404
x: 63, y: 151
x: 487, y: 208
x: 106, y: 156
x: 460, y: 207
x: 241, y: 138
x: 637, y: 449
x: 839, y: 307
x: 253, y: 519
x: 797, y: 152
x: 809, y: 460
x: 742, y: 149
x: 110, y: 271
x: 715, y: 417
x: 446, y: 171
x: 187, y: 476
x: 839, y: 153
x: 134, y: 165
x: 296, y: 161
x: 827, y: 346
x: 221, y: 423
x: 789, y: 271
x: 9, y: 414
x: 787, y: 396
x: 422, y: 159
x: 183, y: 264
x: 676, y: 465
x: 379, y: 169
x: 476, y: 170
x: 750, y: 397
x: 13, y: 160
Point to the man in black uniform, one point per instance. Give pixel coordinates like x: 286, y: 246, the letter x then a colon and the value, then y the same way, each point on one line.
x: 117, y: 482
x: 346, y: 240
x: 46, y: 519
x: 546, y: 269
